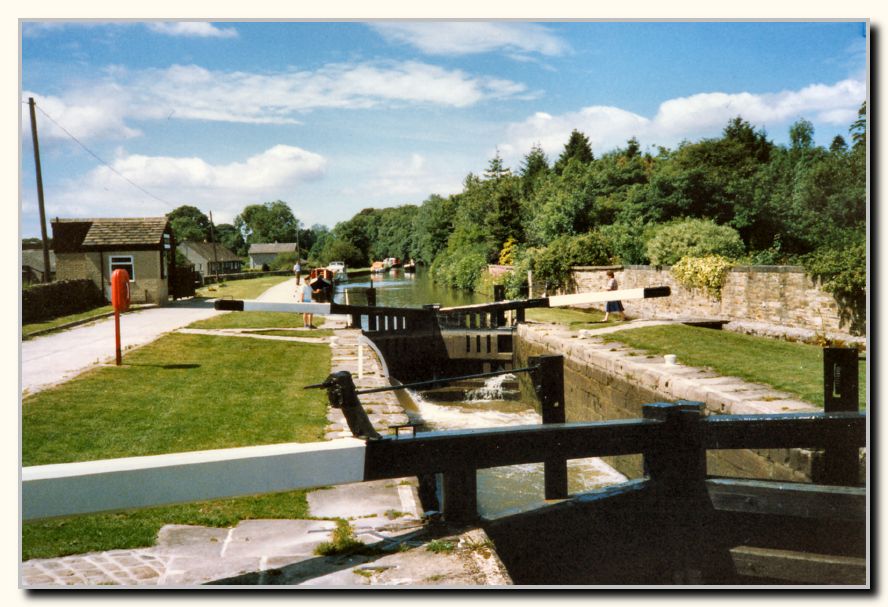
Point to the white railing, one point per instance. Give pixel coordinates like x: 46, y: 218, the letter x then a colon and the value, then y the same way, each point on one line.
x: 154, y: 480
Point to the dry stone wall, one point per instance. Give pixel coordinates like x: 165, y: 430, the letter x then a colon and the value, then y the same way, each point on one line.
x: 770, y: 295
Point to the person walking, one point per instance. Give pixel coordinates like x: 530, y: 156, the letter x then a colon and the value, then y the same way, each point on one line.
x: 615, y: 306
x: 303, y: 295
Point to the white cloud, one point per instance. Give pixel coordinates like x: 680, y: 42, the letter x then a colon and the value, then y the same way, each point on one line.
x: 99, y: 116
x: 409, y: 179
x: 276, y: 173
x: 191, y: 29
x: 692, y: 117
x: 196, y: 93
x: 472, y: 37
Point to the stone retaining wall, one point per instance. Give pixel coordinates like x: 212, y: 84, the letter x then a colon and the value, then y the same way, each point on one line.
x: 774, y: 295
x: 605, y: 381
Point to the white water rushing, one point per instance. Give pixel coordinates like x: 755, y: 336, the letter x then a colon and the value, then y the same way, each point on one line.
x: 491, y: 390
x: 508, y: 489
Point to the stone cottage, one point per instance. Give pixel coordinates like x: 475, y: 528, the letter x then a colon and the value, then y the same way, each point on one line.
x: 94, y: 248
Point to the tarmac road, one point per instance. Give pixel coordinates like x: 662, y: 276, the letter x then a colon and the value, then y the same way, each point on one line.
x: 58, y: 357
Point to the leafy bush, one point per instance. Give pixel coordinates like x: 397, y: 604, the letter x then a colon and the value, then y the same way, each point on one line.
x: 507, y: 254
x: 552, y: 264
x: 284, y: 261
x: 707, y: 273
x: 693, y: 238
x: 460, y: 269
x: 516, y: 280
x: 841, y: 271
x: 343, y: 250
x: 628, y: 241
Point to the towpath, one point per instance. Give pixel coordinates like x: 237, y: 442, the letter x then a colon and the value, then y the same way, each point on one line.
x: 57, y: 357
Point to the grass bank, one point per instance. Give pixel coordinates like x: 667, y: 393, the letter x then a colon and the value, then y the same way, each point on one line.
x: 46, y: 325
x: 180, y: 393
x: 249, y: 288
x: 791, y: 367
x: 572, y: 318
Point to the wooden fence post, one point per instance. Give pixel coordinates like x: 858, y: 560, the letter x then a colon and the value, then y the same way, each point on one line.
x: 548, y: 381
x: 840, y: 464
x: 677, y: 469
x: 460, y: 495
x: 499, y: 294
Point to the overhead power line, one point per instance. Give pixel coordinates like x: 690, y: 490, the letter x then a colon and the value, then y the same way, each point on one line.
x: 172, y: 205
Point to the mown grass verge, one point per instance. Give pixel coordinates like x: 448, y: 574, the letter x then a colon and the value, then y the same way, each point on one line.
x: 792, y: 367
x: 570, y: 317
x: 248, y: 288
x: 180, y: 393
x: 46, y: 325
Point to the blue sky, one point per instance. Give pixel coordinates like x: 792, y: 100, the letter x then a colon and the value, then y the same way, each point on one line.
x: 336, y: 117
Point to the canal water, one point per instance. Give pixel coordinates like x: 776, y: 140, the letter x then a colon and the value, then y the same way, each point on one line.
x: 399, y: 289
x: 494, y: 403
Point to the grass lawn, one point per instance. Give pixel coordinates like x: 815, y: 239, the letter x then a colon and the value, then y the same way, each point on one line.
x: 293, y: 332
x: 180, y: 393
x: 249, y: 288
x: 570, y: 317
x: 33, y: 327
x: 787, y: 366
x: 251, y: 320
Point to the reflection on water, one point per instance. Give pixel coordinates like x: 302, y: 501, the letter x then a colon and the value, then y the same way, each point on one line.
x: 500, y: 490
x: 399, y: 289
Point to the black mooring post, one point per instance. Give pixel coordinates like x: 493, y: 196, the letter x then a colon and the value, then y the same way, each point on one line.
x: 841, y: 464
x: 342, y: 395
x: 371, y: 297
x: 677, y: 470
x: 548, y: 382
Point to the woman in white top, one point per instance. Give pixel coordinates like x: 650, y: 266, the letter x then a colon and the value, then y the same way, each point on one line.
x: 615, y: 306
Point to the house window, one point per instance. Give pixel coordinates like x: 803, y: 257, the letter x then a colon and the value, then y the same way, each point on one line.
x: 123, y: 262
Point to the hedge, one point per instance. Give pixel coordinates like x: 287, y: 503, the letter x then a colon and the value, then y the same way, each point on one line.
x: 47, y: 301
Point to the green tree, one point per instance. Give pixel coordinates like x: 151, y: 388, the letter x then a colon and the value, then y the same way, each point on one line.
x: 189, y: 223
x: 552, y: 265
x: 230, y: 238
x: 267, y: 222
x: 534, y: 168
x: 577, y: 148
x: 432, y: 226
x: 801, y: 135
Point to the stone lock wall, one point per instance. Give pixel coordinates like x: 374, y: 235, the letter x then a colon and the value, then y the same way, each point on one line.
x: 775, y: 295
x: 604, y: 382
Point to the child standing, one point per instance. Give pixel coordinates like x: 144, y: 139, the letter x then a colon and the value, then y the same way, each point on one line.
x: 303, y: 295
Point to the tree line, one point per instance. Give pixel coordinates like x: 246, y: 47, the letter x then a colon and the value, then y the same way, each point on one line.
x: 738, y: 196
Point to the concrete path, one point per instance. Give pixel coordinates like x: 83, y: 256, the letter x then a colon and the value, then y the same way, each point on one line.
x: 51, y: 359
x: 282, y: 292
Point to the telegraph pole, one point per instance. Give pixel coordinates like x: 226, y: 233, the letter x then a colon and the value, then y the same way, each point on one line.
x: 215, y: 254
x: 46, y: 268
